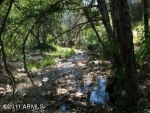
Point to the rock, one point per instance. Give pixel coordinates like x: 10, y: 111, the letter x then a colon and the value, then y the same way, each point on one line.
x: 2, y: 90
x: 62, y: 91
x: 84, y: 68
x: 71, y: 90
x: 69, y: 82
x: 39, y: 73
x: 19, y: 70
x: 66, y: 77
x: 45, y: 79
x: 22, y: 74
x: 72, y: 95
x: 64, y: 60
x: 8, y: 88
x: 40, y: 84
x: 81, y: 64
x: 24, y: 95
x: 22, y: 70
x: 98, y: 72
x: 79, y: 95
x: 96, y: 62
x: 49, y: 92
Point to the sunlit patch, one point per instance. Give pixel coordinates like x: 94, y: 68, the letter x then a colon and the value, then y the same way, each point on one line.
x: 61, y: 91
x: 45, y: 79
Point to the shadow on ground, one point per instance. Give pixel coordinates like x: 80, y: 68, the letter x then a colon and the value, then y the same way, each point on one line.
x: 69, y: 87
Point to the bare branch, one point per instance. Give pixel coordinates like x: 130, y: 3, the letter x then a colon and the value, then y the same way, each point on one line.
x: 26, y: 37
x: 3, y: 52
x: 70, y: 30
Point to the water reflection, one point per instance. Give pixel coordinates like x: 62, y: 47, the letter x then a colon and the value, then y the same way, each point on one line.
x: 98, y: 94
x: 63, y: 109
x: 86, y: 86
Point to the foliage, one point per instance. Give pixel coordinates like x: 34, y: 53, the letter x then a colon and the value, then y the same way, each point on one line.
x: 63, y: 52
x: 143, y: 58
x: 33, y: 66
x: 119, y: 84
x: 55, y: 53
x: 144, y: 52
x: 136, y: 10
x: 45, y: 47
x: 91, y: 43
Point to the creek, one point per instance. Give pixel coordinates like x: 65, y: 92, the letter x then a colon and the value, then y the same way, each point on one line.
x: 69, y: 83
x: 94, y: 94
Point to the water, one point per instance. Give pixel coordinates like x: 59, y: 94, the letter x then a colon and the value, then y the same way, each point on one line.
x: 98, y: 94
x: 86, y: 86
x: 81, y: 86
x: 63, y: 108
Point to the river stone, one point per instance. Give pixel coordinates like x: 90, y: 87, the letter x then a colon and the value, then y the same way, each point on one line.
x: 62, y: 91
x: 79, y: 95
x: 45, y: 79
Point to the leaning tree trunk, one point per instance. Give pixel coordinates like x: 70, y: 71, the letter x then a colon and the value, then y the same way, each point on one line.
x: 107, y: 53
x: 106, y: 21
x: 124, y: 38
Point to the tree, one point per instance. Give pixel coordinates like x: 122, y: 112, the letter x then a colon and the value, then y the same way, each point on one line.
x: 106, y: 21
x: 146, y: 19
x: 2, y: 30
x: 136, y: 10
x: 1, y: 1
x: 124, y: 38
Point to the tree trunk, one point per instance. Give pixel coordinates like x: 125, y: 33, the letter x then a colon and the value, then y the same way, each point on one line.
x: 108, y: 56
x: 106, y: 21
x: 124, y: 38
x: 146, y: 19
x: 36, y: 36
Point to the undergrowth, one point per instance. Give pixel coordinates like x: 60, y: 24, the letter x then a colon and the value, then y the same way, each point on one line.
x: 55, y: 53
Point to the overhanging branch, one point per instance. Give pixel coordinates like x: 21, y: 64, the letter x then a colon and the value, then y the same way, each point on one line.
x: 48, y: 10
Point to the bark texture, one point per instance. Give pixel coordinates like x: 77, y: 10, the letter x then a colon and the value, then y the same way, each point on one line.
x: 124, y: 38
x: 106, y: 21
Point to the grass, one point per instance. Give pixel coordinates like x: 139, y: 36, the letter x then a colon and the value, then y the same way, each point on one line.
x: 60, y: 52
x: 63, y: 52
x: 48, y: 61
x: 33, y: 66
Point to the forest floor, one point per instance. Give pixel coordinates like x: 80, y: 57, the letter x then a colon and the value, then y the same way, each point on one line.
x: 71, y: 85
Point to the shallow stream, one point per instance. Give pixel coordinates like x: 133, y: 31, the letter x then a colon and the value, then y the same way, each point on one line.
x: 71, y: 83
x: 97, y: 93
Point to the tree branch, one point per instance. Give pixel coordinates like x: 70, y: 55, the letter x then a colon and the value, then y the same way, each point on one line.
x: 53, y: 6
x: 3, y: 51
